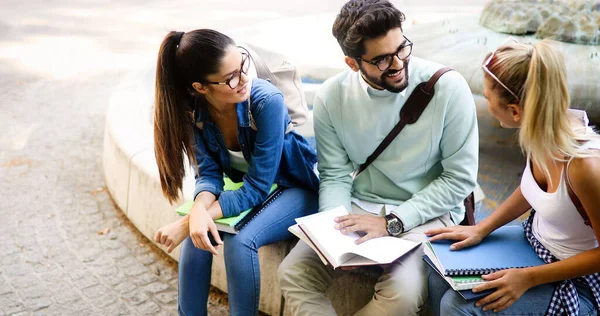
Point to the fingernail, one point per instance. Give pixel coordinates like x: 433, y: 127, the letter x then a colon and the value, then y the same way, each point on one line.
x: 336, y: 226
x: 452, y: 247
x: 337, y: 219
x: 343, y: 231
x: 477, y: 304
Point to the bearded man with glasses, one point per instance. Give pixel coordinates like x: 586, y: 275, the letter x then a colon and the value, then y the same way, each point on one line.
x: 417, y: 183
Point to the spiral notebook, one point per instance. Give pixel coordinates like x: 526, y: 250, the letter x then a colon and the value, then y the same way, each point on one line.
x: 504, y: 248
x: 464, y: 291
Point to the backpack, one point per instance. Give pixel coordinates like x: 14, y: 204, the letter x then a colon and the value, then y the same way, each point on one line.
x: 276, y: 69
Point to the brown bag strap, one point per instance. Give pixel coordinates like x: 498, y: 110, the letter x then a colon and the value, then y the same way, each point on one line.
x: 410, y: 113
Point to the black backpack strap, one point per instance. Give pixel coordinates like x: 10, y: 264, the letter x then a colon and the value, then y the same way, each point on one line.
x: 410, y: 113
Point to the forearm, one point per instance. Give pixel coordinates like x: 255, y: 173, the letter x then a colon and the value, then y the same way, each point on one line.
x: 204, y: 199
x: 513, y: 207
x: 215, y: 210
x: 203, y: 203
x: 437, y: 198
x: 585, y: 263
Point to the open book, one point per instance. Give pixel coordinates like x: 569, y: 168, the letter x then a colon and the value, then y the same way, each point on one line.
x: 233, y: 224
x: 339, y: 250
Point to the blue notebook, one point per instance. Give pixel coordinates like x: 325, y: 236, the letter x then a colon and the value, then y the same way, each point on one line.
x: 504, y: 248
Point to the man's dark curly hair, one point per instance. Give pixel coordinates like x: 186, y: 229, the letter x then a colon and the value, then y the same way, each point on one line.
x: 364, y: 19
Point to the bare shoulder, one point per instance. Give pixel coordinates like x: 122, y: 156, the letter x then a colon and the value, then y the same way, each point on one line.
x: 585, y: 172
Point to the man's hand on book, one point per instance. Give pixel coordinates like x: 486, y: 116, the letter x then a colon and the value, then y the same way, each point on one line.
x: 373, y: 226
x: 201, y: 223
x: 510, y: 284
x: 465, y: 235
x: 171, y: 235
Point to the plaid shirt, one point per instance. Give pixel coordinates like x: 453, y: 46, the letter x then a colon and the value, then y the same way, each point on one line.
x: 565, y: 300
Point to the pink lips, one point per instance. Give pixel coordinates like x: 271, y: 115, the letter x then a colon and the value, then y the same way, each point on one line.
x: 243, y: 90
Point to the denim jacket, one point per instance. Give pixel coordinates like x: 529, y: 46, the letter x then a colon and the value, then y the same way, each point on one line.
x: 273, y: 155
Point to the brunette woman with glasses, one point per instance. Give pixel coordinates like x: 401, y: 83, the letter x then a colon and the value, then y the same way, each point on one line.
x: 210, y: 113
x: 526, y: 88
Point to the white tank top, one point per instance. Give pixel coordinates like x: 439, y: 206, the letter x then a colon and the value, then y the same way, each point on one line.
x: 237, y: 161
x: 557, y: 224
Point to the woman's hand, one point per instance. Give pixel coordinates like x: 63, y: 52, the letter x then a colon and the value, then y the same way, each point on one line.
x: 465, y: 235
x: 509, y: 284
x: 171, y: 235
x: 201, y: 223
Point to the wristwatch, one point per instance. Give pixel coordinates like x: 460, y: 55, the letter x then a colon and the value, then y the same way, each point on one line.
x: 394, y: 225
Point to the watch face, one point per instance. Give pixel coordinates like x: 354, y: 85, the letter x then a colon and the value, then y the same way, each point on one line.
x: 394, y: 227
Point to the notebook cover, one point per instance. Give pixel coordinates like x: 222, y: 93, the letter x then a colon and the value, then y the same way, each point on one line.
x: 504, y: 248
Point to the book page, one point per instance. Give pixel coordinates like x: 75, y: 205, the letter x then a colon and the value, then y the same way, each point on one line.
x: 294, y: 229
x: 330, y: 241
x: 340, y: 248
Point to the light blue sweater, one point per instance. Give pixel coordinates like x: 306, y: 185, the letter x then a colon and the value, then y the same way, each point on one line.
x: 429, y: 168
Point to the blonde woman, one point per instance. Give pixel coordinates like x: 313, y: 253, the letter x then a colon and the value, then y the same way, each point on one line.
x: 526, y: 88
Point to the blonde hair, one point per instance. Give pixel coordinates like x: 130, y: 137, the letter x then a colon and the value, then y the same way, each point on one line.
x: 536, y: 73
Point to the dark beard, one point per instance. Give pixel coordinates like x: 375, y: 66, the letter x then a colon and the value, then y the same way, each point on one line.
x: 382, y: 81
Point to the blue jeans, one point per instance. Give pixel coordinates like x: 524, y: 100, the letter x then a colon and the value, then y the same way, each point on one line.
x: 241, y: 256
x: 445, y: 301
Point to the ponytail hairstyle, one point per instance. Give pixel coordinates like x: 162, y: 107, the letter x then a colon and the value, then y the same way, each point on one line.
x: 536, y: 73
x: 182, y: 60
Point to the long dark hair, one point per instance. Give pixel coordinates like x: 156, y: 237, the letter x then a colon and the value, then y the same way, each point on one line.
x: 182, y: 60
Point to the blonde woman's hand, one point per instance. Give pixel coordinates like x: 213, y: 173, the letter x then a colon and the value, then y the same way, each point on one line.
x: 171, y: 235
x: 201, y: 224
x: 510, y: 285
x: 465, y: 235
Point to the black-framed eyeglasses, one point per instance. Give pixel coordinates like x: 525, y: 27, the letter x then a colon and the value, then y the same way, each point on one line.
x: 235, y: 78
x: 385, y: 62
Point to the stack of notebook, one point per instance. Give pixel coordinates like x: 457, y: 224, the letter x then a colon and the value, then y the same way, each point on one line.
x: 505, y: 248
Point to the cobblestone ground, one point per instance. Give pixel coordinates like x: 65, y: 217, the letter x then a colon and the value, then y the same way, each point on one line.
x: 64, y: 247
